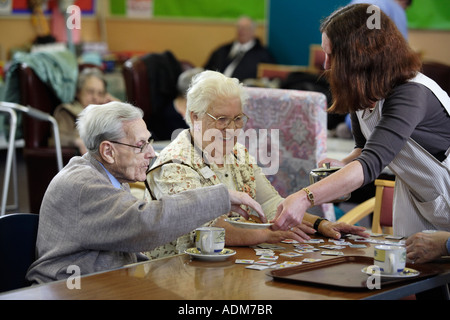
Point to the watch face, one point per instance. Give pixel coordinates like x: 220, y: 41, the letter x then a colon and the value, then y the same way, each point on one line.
x: 309, y: 195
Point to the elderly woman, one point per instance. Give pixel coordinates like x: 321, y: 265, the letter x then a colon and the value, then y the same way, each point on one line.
x: 400, y: 119
x: 208, y: 154
x: 91, y: 89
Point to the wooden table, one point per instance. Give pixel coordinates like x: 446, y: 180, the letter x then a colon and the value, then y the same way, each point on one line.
x: 183, y: 278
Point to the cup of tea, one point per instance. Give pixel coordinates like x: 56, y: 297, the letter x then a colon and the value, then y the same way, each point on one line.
x: 210, y: 240
x: 390, y: 259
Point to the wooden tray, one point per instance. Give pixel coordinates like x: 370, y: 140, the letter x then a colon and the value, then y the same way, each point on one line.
x: 343, y: 272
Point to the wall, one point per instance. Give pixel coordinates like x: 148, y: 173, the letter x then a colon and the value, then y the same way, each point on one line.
x: 294, y: 25
x: 188, y: 40
x: 18, y: 32
x: 433, y: 45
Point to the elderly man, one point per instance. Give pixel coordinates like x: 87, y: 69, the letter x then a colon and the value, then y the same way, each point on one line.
x: 240, y: 58
x: 88, y: 217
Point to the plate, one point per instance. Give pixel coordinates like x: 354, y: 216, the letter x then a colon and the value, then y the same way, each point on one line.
x: 406, y: 273
x: 224, y: 254
x: 249, y: 225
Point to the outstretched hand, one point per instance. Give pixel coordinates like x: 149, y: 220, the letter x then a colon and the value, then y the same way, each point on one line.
x: 332, y: 162
x: 240, y: 198
x: 289, y: 213
x: 335, y: 229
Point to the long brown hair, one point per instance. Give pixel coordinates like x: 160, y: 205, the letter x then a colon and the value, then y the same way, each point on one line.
x: 366, y: 63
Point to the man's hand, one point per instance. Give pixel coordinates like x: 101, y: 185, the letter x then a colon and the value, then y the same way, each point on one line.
x: 240, y: 198
x: 424, y: 247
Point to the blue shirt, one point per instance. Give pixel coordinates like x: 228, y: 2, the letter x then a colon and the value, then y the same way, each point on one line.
x: 448, y: 245
x: 113, y: 180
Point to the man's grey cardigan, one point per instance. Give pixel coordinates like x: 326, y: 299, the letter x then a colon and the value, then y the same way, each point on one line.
x: 87, y: 222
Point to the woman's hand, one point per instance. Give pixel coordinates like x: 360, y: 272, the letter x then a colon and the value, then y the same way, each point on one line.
x: 335, y: 229
x: 108, y: 98
x: 235, y: 236
x: 355, y: 153
x: 290, y: 212
x: 332, y: 162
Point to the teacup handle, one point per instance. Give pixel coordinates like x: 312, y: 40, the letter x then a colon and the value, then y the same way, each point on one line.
x: 207, y: 242
x: 392, y: 263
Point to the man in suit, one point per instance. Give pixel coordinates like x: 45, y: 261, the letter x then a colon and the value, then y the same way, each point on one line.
x: 240, y: 58
x: 90, y: 222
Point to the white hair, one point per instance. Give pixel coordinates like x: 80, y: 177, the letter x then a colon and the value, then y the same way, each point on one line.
x: 97, y: 123
x: 89, y: 73
x: 209, y: 87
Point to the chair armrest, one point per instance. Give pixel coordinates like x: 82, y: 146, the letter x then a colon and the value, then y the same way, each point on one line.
x: 360, y: 211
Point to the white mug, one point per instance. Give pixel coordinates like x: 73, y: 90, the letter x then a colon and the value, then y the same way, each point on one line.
x: 210, y: 240
x: 390, y: 259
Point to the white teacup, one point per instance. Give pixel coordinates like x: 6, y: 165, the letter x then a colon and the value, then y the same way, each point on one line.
x: 210, y: 240
x: 390, y: 259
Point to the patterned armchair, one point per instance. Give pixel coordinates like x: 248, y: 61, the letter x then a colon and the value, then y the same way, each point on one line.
x: 296, y: 132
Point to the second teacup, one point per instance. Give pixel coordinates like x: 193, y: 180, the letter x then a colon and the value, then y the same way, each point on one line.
x: 390, y: 259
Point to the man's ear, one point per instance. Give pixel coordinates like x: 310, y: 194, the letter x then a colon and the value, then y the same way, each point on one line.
x: 107, y: 152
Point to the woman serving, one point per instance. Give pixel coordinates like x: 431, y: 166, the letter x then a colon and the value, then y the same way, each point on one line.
x: 400, y: 119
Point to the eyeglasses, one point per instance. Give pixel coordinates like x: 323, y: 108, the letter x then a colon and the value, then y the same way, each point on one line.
x: 224, y: 122
x: 142, y: 148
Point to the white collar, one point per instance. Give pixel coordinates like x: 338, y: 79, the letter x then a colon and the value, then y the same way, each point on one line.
x: 237, y: 46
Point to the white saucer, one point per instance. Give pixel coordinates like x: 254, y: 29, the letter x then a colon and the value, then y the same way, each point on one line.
x: 224, y: 254
x: 248, y: 225
x: 406, y: 273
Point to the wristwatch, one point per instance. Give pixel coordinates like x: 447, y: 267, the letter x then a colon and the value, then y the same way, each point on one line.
x: 309, y: 195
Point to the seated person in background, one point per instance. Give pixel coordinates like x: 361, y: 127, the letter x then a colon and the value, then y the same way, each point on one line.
x: 425, y: 247
x: 208, y: 154
x: 91, y: 89
x: 240, y: 58
x: 176, y: 113
x: 182, y: 86
x: 88, y: 217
